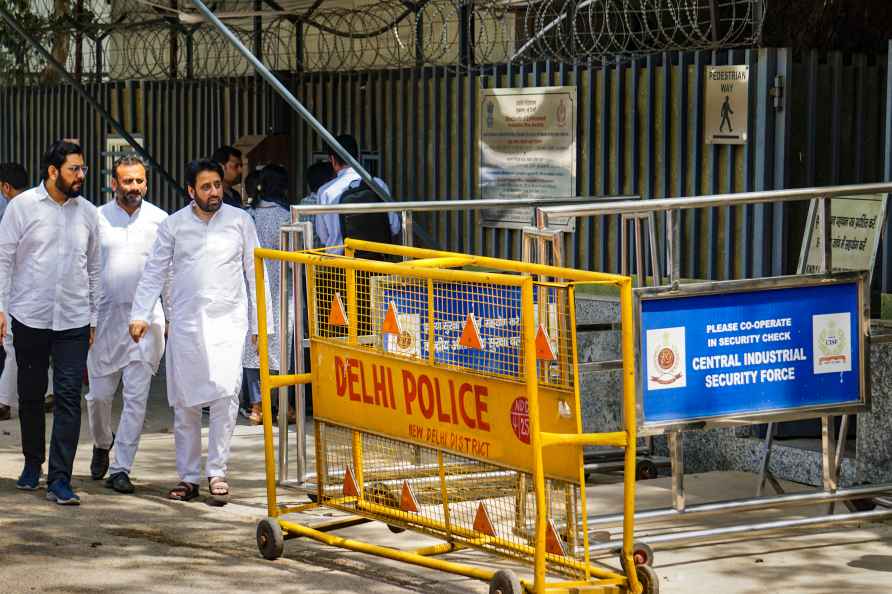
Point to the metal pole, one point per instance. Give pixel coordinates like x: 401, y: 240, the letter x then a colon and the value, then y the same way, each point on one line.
x: 672, y: 255
x: 828, y: 447
x: 408, y: 227
x: 623, y: 247
x: 840, y: 448
x: 284, y: 244
x: 745, y: 505
x: 654, y: 254
x: 14, y: 25
x: 764, y: 470
x: 615, y: 545
x: 676, y: 456
x: 291, y: 100
x: 300, y: 364
x: 639, y: 254
x: 610, y: 207
x: 826, y: 236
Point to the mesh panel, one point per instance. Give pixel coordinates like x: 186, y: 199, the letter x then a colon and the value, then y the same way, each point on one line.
x: 476, y: 327
x: 393, y: 479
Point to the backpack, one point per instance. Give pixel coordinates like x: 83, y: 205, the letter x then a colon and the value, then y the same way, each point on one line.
x: 370, y: 226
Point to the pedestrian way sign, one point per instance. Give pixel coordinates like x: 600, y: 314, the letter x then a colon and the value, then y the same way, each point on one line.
x: 726, y: 115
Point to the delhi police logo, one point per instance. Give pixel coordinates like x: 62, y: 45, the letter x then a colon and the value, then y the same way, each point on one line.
x: 666, y: 358
x: 405, y: 341
x: 831, y: 342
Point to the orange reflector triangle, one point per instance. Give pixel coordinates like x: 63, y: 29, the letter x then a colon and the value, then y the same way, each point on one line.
x: 543, y: 345
x: 553, y: 542
x: 470, y: 336
x: 391, y: 322
x: 482, y: 522
x: 350, y: 489
x: 337, y: 315
x: 408, y: 502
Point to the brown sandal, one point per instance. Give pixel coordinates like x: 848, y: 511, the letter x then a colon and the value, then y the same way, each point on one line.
x: 183, y: 492
x: 219, y: 490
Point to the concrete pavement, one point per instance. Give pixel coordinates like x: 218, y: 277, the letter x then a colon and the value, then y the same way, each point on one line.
x: 146, y: 543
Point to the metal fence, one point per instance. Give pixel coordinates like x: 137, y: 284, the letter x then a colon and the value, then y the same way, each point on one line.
x: 815, y: 119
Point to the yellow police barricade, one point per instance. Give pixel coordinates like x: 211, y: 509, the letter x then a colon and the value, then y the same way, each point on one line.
x: 446, y: 402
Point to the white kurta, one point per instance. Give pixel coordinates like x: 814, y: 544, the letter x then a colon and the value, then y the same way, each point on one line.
x: 211, y: 280
x: 125, y: 244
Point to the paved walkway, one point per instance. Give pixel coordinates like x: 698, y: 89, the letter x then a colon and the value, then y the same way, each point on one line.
x: 145, y: 543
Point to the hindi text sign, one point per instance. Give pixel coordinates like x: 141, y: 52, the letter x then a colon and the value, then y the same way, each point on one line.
x: 527, y: 142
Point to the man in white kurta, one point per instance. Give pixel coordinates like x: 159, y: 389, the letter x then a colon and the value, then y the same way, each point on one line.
x: 127, y: 230
x: 208, y: 247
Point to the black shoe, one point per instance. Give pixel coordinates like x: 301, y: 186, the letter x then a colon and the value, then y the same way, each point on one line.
x: 99, y: 463
x: 120, y: 482
x: 5, y: 412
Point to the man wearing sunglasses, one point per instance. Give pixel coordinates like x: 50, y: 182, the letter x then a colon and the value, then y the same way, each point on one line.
x: 49, y: 295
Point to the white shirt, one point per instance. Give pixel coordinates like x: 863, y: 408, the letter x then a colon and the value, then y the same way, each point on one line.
x: 125, y: 244
x: 328, y: 226
x: 211, y: 268
x: 49, y: 261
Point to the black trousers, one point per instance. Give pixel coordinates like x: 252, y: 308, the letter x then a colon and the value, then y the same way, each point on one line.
x: 68, y: 349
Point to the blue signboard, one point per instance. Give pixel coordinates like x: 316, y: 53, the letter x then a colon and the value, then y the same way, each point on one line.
x: 750, y: 352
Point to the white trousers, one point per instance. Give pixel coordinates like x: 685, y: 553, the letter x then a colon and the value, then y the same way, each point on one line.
x: 187, y: 436
x: 9, y: 390
x: 137, y: 378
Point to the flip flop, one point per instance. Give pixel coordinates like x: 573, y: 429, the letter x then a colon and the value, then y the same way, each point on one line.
x: 219, y: 490
x: 183, y: 492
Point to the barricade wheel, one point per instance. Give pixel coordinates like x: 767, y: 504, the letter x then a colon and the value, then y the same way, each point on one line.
x: 650, y: 583
x: 270, y: 539
x: 645, y: 470
x: 382, y: 495
x: 642, y: 554
x: 505, y: 581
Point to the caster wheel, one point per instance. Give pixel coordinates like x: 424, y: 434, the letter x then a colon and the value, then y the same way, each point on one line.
x: 645, y: 470
x: 642, y: 554
x: 650, y: 583
x: 505, y: 582
x: 270, y: 539
x: 379, y: 493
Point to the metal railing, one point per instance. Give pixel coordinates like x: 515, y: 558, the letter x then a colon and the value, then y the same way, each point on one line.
x: 407, y: 209
x: 831, y: 448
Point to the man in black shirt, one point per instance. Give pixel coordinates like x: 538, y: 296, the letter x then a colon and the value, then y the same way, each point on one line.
x: 230, y: 158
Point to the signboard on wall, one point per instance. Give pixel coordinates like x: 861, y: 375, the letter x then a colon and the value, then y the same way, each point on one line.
x: 527, y: 142
x: 726, y: 115
x: 753, y: 349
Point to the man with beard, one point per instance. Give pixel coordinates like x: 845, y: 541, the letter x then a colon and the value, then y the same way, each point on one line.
x: 127, y: 229
x: 206, y: 251
x: 230, y: 159
x: 50, y: 294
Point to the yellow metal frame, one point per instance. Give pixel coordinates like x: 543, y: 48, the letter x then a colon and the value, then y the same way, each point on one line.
x: 439, y: 265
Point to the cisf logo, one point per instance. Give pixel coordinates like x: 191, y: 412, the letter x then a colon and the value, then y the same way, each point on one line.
x: 831, y: 343
x: 666, y: 367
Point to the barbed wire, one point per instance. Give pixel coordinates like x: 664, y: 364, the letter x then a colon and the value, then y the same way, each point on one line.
x: 144, y: 40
